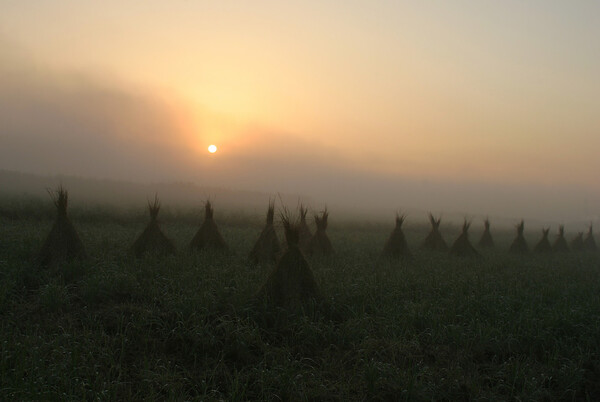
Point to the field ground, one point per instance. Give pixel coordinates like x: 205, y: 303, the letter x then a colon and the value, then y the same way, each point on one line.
x: 187, y: 327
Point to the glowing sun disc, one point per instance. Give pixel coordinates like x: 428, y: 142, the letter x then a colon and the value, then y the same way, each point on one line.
x: 212, y: 149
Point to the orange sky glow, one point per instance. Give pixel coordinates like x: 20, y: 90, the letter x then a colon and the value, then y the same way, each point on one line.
x: 502, y: 93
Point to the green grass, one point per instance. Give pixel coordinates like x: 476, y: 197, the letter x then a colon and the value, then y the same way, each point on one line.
x: 188, y: 327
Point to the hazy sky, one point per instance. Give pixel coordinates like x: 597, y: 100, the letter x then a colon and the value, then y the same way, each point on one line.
x: 308, y: 95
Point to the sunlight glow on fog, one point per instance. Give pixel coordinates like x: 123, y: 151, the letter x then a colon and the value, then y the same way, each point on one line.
x: 318, y: 98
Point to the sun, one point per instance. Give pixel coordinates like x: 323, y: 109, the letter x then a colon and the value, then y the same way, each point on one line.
x: 212, y: 149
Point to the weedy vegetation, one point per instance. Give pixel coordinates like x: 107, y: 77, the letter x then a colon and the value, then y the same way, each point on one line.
x: 560, y: 244
x: 462, y: 246
x: 193, y: 326
x: 320, y: 243
x: 520, y: 245
x: 63, y: 242
x: 153, y: 240
x: 396, y: 246
x: 304, y: 230
x: 434, y: 240
x: 486, y: 240
x: 267, y: 247
x: 208, y: 237
x: 543, y: 246
x: 577, y: 242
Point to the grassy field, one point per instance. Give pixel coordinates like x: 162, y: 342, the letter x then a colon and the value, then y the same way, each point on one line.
x: 113, y: 327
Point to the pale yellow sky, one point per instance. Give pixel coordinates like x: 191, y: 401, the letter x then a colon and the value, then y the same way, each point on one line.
x: 503, y: 92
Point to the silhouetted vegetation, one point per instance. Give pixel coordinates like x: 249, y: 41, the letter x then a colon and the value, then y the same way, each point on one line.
x: 434, y: 240
x: 519, y: 245
x: 267, y: 247
x: 208, y: 236
x: 303, y: 230
x: 153, y: 240
x: 350, y: 327
x: 589, y: 242
x: 320, y: 243
x: 292, y: 282
x: 577, y: 242
x: 560, y: 244
x: 63, y: 242
x: 543, y: 246
x: 396, y: 245
x: 486, y: 240
x: 462, y: 247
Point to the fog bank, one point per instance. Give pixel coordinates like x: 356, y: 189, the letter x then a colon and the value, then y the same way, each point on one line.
x: 74, y: 124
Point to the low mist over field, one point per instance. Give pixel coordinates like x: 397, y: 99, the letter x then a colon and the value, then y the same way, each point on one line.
x: 419, y: 198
